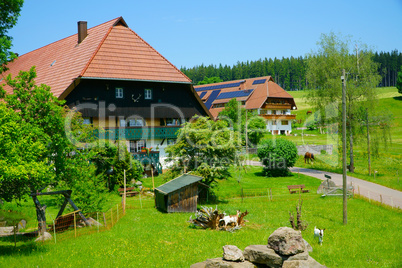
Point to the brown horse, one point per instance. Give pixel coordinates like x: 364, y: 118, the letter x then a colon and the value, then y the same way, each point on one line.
x: 308, y: 156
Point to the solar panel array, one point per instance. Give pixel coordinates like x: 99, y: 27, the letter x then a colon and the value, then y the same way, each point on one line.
x: 234, y: 94
x: 211, y: 98
x: 259, y: 81
x: 237, y: 84
x: 203, y: 94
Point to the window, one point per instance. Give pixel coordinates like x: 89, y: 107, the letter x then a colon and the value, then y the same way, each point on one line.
x: 137, y: 145
x: 171, y: 141
x: 172, y: 122
x: 273, y: 111
x: 138, y: 122
x: 123, y: 123
x: 274, y: 122
x: 87, y: 120
x: 119, y: 93
x: 148, y: 94
x: 263, y: 111
x: 285, y: 122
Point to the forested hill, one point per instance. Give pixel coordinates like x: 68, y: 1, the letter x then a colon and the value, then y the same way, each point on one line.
x: 289, y: 73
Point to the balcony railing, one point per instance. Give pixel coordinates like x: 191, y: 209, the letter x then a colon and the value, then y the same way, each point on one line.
x: 139, y: 133
x: 279, y: 116
x: 145, y: 159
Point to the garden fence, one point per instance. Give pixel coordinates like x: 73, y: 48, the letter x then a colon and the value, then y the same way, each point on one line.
x: 71, y: 225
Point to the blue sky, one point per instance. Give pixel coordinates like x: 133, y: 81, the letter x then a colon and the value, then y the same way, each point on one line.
x: 193, y: 32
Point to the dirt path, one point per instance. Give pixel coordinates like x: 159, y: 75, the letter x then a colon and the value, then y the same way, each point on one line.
x: 370, y: 190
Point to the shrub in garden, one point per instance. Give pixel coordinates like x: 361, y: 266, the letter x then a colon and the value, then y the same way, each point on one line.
x: 277, y: 156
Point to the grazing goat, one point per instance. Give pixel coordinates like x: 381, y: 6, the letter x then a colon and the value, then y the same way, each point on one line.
x: 231, y: 219
x: 319, y: 233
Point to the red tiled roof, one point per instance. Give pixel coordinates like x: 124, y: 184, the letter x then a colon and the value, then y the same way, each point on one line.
x: 110, y: 50
x: 261, y: 92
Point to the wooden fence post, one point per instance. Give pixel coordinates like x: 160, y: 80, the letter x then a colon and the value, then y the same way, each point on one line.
x: 54, y: 231
x: 75, y: 227
x: 104, y: 220
x: 111, y: 215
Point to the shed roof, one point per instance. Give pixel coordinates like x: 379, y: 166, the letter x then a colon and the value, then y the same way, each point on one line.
x: 178, y: 183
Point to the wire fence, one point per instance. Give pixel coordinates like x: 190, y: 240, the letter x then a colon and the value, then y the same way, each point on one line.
x: 67, y: 226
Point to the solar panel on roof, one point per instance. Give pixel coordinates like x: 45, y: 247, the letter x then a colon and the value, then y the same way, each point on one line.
x: 211, y: 98
x: 203, y: 94
x: 259, y: 81
x: 237, y: 84
x: 234, y: 94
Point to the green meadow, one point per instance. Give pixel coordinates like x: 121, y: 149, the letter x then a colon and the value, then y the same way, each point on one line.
x: 145, y: 237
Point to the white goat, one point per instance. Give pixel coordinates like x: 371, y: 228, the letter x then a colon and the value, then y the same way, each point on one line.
x: 319, y: 233
x: 231, y: 219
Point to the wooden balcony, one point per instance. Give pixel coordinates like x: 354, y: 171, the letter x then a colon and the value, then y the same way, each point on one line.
x: 277, y: 106
x: 279, y: 116
x: 139, y: 133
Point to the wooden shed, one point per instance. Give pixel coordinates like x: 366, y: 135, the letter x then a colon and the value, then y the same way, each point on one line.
x: 179, y: 194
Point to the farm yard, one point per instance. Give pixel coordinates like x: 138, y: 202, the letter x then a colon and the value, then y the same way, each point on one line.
x: 112, y: 156
x: 145, y: 237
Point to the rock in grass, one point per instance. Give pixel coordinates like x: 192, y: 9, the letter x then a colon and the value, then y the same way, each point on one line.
x: 221, y: 263
x: 45, y: 237
x: 286, y: 241
x: 232, y: 253
x: 262, y: 254
x: 309, y: 248
x: 309, y: 263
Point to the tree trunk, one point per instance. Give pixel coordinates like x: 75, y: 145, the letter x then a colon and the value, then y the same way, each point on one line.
x: 41, y: 215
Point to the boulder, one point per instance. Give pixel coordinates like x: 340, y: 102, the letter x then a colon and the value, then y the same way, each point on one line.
x: 198, y: 265
x: 262, y: 254
x: 45, y: 237
x: 323, y: 185
x: 221, y: 263
x: 22, y: 224
x: 309, y: 248
x: 309, y: 263
x: 232, y: 253
x: 300, y: 256
x: 286, y: 241
x: 7, y: 230
x: 138, y: 183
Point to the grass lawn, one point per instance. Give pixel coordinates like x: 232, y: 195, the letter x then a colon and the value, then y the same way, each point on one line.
x: 148, y: 238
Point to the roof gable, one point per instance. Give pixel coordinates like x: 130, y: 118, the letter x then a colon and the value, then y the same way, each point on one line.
x: 110, y: 50
x: 123, y: 54
x: 260, y: 88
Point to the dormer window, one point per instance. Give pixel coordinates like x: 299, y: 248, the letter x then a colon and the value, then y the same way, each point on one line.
x: 148, y: 94
x: 119, y: 93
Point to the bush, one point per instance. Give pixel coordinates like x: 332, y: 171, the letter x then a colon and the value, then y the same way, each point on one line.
x: 277, y: 156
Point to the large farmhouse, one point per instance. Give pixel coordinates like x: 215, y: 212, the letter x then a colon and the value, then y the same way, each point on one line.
x: 118, y: 82
x: 261, y: 94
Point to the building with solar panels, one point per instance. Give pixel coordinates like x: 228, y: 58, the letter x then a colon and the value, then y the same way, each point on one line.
x: 261, y: 94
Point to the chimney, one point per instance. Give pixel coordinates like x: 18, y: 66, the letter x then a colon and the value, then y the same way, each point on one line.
x: 82, y: 31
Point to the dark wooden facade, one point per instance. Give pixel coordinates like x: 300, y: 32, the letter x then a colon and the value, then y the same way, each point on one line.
x: 133, y: 102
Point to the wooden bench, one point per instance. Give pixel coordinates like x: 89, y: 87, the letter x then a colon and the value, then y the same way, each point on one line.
x: 297, y: 188
x: 129, y: 191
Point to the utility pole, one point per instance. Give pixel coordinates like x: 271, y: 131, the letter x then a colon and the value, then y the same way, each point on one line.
x: 345, y: 187
x: 368, y: 143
